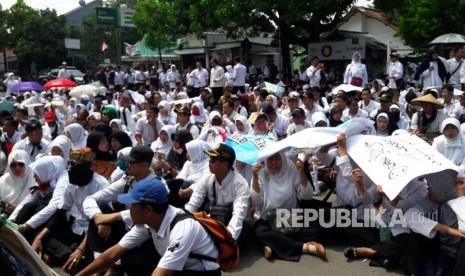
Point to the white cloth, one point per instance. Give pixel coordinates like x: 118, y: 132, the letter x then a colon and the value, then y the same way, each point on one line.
x: 14, y: 189
x: 74, y: 196
x: 453, y: 65
x: 314, y: 75
x: 239, y: 74
x: 396, y: 70
x: 64, y: 144
x: 146, y: 131
x: 200, y: 77
x: 247, y: 126
x: 279, y: 190
x: 109, y: 194
x: 33, y: 151
x: 372, y: 106
x: 158, y: 146
x: 194, y: 169
x: 346, y: 115
x: 233, y: 189
x: 217, y: 78
x: 186, y: 236
x: 77, y: 134
x: 356, y: 69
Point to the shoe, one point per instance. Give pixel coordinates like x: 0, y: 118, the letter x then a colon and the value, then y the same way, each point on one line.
x: 320, y: 249
x: 267, y: 252
x: 350, y: 253
x: 317, y: 192
x: 387, y: 264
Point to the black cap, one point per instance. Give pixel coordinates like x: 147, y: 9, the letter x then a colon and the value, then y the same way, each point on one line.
x: 32, y: 124
x: 385, y: 98
x: 222, y: 151
x: 298, y: 112
x: 183, y: 110
x: 140, y: 154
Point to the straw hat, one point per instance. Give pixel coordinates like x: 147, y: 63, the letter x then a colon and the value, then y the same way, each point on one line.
x: 428, y: 99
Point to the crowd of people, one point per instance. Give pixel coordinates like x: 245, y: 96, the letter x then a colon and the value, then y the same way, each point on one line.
x: 95, y: 181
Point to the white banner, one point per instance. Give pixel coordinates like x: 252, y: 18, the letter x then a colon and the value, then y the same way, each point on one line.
x: 337, y: 50
x: 132, y: 50
x: 394, y: 161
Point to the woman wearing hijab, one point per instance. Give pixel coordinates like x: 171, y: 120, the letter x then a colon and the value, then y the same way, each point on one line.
x: 192, y: 171
x: 119, y: 140
x: 198, y: 115
x: 335, y: 116
x: 108, y: 114
x: 165, y: 115
x: 319, y: 119
x: 451, y: 143
x: 261, y: 127
x: 104, y: 162
x: 177, y: 155
x: 229, y: 75
x: 382, y: 124
x: 243, y: 126
x: 431, y: 71
x: 39, y: 206
x: 280, y: 184
x: 61, y: 146
x: 356, y: 72
x: 15, y: 184
x: 162, y: 146
x: 77, y: 134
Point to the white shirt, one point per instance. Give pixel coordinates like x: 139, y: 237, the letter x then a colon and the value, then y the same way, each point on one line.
x: 449, y: 108
x: 139, y: 77
x: 200, y: 77
x: 119, y: 77
x: 281, y: 124
x: 144, y: 129
x: 239, y: 74
x: 234, y: 189
x: 356, y: 70
x: 63, y: 74
x: 372, y: 106
x: 309, y: 113
x: 431, y: 78
x: 346, y: 115
x: 396, y: 70
x: 314, y: 76
x: 173, y: 77
x: 175, y: 245
x: 453, y: 65
x: 33, y: 151
x: 74, y: 196
x: 194, y: 130
x: 109, y: 194
x: 217, y: 78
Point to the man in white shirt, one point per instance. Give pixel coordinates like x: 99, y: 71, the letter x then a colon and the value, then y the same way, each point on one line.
x: 314, y: 72
x: 223, y: 186
x: 367, y: 103
x: 353, y: 111
x: 447, y: 100
x: 230, y: 114
x: 302, y: 74
x: 183, y: 120
x: 217, y: 79
x: 454, y: 66
x: 200, y: 76
x: 395, y: 72
x: 459, y: 108
x: 279, y: 123
x: 34, y: 143
x: 63, y: 73
x: 153, y: 218
x: 309, y: 105
x: 148, y: 128
x: 119, y: 78
x: 239, y: 75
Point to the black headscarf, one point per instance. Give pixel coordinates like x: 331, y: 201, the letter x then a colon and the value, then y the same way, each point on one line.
x: 102, y: 127
x: 123, y: 138
x: 176, y: 159
x: 93, y: 140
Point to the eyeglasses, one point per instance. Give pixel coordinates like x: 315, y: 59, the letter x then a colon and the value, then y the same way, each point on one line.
x: 16, y: 164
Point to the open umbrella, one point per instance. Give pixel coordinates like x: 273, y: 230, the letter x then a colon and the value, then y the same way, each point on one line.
x: 27, y: 86
x: 346, y: 88
x: 449, y: 39
x: 7, y: 105
x: 55, y: 83
x: 86, y: 89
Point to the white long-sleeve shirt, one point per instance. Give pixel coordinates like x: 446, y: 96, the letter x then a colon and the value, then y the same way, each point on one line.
x: 239, y: 74
x: 233, y: 189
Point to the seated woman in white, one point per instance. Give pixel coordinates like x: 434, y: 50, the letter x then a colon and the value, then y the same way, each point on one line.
x: 451, y: 143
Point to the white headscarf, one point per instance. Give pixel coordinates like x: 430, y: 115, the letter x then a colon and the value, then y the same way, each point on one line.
x: 49, y: 168
x: 202, y: 117
x: 279, y: 190
x: 78, y: 135
x: 318, y: 117
x: 14, y: 189
x: 199, y: 160
x: 64, y: 143
x: 247, y: 126
x: 275, y: 100
x: 159, y: 146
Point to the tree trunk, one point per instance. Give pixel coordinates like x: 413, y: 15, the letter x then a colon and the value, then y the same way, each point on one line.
x: 285, y: 53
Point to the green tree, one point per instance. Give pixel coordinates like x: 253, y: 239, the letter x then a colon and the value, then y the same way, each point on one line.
x: 15, y: 19
x: 42, y: 41
x: 291, y: 22
x: 421, y: 21
x: 3, y: 28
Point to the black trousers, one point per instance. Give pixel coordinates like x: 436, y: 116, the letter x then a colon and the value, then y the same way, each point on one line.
x: 217, y: 93
x: 392, y: 249
x: 285, y: 247
x: 195, y: 92
x: 239, y: 89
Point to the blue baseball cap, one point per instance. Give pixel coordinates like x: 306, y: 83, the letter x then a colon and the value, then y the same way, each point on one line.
x: 151, y: 191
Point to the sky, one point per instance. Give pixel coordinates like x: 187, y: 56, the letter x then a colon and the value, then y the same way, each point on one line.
x: 64, y: 6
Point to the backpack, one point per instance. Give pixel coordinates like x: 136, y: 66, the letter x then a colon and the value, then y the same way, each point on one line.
x: 228, y: 251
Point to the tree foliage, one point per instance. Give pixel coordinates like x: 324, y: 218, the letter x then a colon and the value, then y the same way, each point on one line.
x: 420, y: 21
x: 291, y: 21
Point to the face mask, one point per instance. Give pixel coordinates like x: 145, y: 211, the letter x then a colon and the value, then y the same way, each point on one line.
x: 121, y: 165
x: 195, y: 112
x: 80, y: 174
